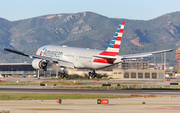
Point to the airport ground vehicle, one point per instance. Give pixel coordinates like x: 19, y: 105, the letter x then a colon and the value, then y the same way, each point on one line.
x: 34, y: 76
x: 22, y: 76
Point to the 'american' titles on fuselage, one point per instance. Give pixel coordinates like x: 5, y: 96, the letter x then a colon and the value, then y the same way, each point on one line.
x: 49, y: 53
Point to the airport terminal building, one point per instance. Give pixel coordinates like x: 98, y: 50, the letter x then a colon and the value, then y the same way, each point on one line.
x: 17, y: 69
x: 138, y: 74
x: 131, y: 70
x: 137, y: 70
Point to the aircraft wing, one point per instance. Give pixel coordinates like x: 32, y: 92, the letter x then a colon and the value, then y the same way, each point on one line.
x: 142, y: 55
x: 61, y: 62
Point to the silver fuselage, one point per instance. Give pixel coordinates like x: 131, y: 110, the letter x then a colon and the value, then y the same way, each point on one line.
x: 80, y: 57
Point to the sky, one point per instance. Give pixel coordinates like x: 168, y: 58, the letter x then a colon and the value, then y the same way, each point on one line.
x: 129, y: 9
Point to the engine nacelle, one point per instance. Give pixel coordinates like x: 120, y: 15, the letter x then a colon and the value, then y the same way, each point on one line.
x: 39, y: 64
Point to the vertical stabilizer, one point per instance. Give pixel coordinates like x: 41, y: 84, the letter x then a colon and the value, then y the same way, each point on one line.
x: 114, y: 46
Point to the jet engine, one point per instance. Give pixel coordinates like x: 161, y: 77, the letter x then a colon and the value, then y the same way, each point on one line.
x: 39, y: 64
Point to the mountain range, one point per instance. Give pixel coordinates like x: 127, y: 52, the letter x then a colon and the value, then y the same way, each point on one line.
x: 89, y: 30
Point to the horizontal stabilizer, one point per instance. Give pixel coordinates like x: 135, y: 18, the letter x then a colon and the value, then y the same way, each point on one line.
x: 103, y: 56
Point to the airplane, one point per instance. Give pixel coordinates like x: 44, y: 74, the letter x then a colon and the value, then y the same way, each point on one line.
x: 80, y: 58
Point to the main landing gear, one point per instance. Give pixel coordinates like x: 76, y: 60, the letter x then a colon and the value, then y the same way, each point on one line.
x: 63, y: 75
x: 93, y: 74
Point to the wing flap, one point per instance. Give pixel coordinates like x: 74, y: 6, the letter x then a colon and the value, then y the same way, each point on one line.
x: 65, y: 64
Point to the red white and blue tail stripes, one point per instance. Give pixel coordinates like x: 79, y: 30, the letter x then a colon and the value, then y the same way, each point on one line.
x: 113, y: 48
x: 115, y: 43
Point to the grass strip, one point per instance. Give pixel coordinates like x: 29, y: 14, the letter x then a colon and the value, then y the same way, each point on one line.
x: 40, y: 96
x: 20, y: 83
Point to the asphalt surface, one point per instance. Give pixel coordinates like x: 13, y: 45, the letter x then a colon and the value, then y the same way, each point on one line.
x: 90, y: 91
x: 119, y: 105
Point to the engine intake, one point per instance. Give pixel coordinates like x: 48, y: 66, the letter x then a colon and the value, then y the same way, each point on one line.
x: 39, y: 64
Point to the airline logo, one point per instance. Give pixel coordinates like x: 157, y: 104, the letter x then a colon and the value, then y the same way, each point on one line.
x: 50, y: 53
x: 41, y: 51
x: 114, y: 46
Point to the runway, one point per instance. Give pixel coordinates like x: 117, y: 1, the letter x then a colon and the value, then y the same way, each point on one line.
x: 90, y: 91
x: 118, y: 105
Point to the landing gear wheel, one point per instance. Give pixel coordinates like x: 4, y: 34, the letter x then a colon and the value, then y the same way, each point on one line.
x: 90, y: 74
x: 59, y: 74
x: 62, y: 76
x: 67, y: 76
x: 93, y: 76
x: 97, y: 76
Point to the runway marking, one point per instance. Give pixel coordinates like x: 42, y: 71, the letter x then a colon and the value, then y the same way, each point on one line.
x: 163, y: 92
x: 43, y: 109
x: 174, y: 108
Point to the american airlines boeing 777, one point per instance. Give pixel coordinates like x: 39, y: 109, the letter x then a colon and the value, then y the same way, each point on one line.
x: 70, y: 57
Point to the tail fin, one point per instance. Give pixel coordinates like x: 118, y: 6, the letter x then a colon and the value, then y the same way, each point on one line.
x: 114, y: 46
